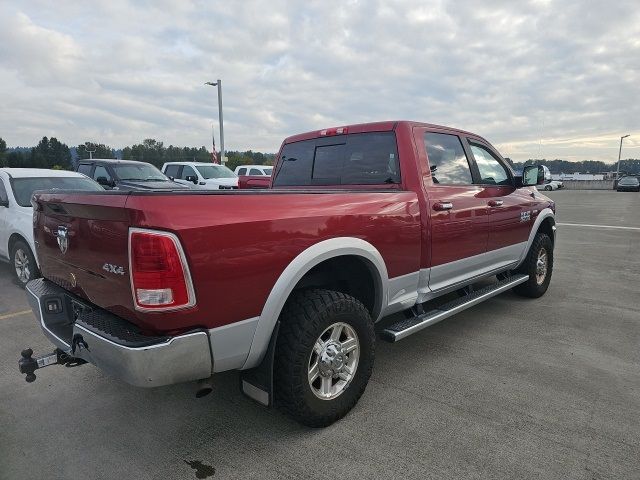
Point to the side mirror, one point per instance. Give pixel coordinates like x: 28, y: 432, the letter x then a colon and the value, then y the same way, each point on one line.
x: 192, y: 179
x: 4, y: 202
x: 535, y: 175
x: 104, y: 182
x: 171, y: 178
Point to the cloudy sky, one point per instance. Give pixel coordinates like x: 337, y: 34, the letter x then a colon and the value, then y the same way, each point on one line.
x: 552, y: 79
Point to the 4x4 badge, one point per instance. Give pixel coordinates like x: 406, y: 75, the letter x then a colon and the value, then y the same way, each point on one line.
x: 62, y: 236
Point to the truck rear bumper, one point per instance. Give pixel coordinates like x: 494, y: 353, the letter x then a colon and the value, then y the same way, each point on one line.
x: 115, y: 345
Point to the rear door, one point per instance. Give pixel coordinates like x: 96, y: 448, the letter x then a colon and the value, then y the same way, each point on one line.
x: 509, y: 207
x: 458, y: 214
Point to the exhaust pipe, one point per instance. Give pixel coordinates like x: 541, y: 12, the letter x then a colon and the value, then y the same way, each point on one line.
x: 204, y: 387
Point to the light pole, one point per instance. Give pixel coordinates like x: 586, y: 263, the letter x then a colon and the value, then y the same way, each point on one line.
x: 619, y: 154
x: 223, y: 159
x: 88, y: 146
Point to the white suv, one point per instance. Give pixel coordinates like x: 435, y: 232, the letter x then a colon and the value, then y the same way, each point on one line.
x: 16, y: 226
x: 254, y: 170
x: 209, y: 176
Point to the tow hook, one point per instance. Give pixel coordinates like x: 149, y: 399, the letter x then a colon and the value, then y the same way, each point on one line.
x: 28, y: 365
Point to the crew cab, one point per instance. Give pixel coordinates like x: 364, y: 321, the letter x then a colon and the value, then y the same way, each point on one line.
x: 290, y: 284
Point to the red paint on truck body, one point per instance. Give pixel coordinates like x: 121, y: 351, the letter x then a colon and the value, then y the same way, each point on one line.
x: 238, y: 243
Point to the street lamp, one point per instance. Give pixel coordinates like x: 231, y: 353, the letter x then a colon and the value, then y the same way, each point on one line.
x: 619, y: 154
x: 219, y: 85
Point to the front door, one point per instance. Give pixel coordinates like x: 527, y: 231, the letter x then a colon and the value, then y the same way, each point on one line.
x: 509, y: 208
x: 458, y: 215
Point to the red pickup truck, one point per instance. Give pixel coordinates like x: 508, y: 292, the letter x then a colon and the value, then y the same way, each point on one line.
x: 290, y: 284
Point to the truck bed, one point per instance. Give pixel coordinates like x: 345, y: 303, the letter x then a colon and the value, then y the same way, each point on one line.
x: 237, y: 243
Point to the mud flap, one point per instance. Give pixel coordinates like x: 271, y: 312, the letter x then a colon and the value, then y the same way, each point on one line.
x: 257, y: 383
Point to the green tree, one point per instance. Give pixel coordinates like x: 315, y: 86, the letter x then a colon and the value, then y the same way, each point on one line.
x: 50, y: 153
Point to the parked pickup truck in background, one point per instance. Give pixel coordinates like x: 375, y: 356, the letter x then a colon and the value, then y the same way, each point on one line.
x: 290, y: 284
x: 254, y: 181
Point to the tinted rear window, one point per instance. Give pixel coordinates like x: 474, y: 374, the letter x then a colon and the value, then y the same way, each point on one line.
x: 356, y: 159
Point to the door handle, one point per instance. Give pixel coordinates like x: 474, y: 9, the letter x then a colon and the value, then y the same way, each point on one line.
x: 442, y: 206
x: 496, y: 203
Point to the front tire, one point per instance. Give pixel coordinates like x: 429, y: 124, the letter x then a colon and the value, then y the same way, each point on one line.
x: 539, y: 266
x: 324, y: 356
x: 548, y: 188
x: 24, y: 263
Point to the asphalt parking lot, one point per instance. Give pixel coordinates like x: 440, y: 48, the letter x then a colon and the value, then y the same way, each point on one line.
x: 512, y: 388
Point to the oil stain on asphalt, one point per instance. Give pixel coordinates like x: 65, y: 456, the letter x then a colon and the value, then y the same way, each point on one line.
x: 202, y: 470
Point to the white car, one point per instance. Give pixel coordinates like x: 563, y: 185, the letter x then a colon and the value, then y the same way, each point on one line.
x: 552, y: 185
x: 208, y: 176
x: 16, y: 225
x: 254, y: 170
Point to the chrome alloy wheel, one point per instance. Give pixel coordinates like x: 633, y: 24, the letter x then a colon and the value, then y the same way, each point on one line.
x: 21, y: 264
x: 333, y: 361
x: 541, y: 266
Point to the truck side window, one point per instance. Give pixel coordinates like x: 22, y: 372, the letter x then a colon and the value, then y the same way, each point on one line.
x: 172, y: 171
x: 492, y: 172
x: 85, y: 168
x: 3, y: 192
x: 101, y: 172
x: 448, y: 162
x: 187, y: 171
x: 242, y: 171
x: 255, y: 171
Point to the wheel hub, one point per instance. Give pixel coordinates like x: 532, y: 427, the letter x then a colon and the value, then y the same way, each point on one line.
x: 331, y: 360
x: 541, y: 266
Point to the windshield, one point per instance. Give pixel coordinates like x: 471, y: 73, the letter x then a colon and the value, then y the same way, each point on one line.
x: 140, y: 173
x: 23, y: 188
x: 628, y: 181
x: 215, y: 171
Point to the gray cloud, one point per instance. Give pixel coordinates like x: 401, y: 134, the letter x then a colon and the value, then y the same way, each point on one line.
x: 538, y: 79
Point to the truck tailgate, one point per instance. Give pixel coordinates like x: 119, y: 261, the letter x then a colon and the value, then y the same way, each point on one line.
x: 82, y: 245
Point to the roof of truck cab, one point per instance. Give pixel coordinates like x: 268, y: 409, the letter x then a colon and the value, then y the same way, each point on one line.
x: 385, y: 126
x: 38, y: 173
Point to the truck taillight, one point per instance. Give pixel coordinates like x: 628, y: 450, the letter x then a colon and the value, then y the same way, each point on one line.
x: 160, y: 278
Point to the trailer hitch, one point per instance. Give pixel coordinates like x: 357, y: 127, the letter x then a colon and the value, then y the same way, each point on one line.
x: 28, y: 365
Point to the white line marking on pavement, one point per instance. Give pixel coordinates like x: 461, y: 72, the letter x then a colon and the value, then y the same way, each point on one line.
x: 597, y: 226
x: 14, y: 314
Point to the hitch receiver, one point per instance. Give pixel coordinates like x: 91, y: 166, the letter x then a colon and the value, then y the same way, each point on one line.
x: 28, y: 365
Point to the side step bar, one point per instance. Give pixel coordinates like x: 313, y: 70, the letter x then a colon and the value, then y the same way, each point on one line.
x: 406, y: 327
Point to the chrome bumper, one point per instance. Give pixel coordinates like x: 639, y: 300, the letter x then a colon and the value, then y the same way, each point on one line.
x: 116, y: 347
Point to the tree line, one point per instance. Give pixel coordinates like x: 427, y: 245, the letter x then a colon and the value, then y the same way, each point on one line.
x: 556, y: 166
x: 51, y: 153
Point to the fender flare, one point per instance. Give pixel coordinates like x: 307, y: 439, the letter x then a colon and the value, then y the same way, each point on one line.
x: 299, y: 266
x: 544, y: 214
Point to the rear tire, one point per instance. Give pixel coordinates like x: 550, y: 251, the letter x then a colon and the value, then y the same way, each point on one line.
x: 24, y: 263
x: 324, y: 356
x: 548, y: 188
x: 539, y: 266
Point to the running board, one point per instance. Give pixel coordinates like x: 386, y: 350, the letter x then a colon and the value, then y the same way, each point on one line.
x: 406, y: 327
